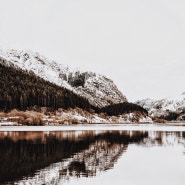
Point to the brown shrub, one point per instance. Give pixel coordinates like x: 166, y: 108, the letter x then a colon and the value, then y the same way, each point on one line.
x: 2, y: 115
x: 13, y: 113
x: 29, y: 121
x: 60, y: 110
x: 21, y: 120
x: 158, y: 120
x: 74, y: 121
x: 102, y: 115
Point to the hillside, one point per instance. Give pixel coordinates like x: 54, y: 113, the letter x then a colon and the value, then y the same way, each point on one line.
x: 167, y: 108
x: 99, y: 90
x: 23, y: 90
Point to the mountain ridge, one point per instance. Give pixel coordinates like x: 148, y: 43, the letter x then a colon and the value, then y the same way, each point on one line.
x: 166, y: 108
x: 98, y: 89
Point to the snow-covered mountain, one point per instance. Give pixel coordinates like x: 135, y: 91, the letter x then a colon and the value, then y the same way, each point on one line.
x: 99, y: 90
x: 165, y: 108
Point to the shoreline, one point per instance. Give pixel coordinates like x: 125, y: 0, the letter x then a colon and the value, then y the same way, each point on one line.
x: 97, y: 127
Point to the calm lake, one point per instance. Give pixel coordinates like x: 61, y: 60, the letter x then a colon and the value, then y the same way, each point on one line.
x: 93, y: 156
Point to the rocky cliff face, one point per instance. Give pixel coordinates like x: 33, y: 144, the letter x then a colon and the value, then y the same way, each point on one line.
x: 98, y: 89
x: 168, y: 108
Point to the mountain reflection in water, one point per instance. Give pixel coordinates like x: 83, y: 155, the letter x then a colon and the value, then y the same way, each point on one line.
x: 56, y: 157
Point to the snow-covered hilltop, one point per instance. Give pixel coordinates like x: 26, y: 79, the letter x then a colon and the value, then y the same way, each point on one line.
x: 99, y: 90
x: 169, y: 108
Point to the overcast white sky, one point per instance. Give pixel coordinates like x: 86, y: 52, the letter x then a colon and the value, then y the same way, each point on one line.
x: 140, y: 44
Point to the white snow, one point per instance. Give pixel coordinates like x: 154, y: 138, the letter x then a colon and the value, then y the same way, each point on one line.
x: 7, y: 123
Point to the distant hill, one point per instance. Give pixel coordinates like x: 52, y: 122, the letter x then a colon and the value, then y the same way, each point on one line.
x: 167, y: 108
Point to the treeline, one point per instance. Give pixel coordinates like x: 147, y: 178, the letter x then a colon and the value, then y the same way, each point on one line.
x: 172, y: 116
x: 121, y: 108
x: 21, y: 90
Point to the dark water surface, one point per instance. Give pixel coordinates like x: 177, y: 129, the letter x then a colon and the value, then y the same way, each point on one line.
x: 92, y: 157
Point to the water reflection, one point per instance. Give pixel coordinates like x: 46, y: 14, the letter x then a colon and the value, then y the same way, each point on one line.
x: 163, y: 139
x: 56, y: 157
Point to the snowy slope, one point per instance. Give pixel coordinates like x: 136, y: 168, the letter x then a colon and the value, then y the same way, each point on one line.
x: 99, y: 90
x: 158, y: 108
